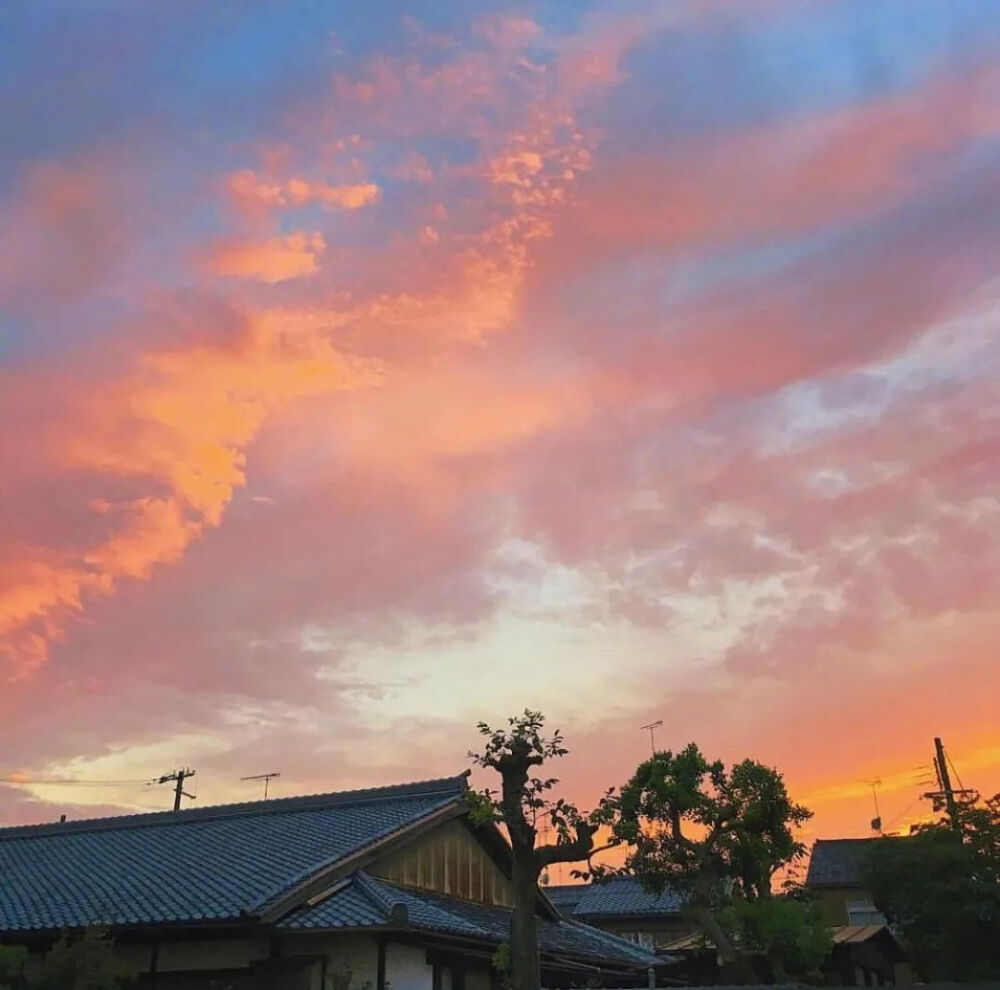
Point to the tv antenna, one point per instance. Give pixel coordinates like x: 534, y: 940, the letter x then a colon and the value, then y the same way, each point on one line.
x: 266, y: 777
x: 652, y: 727
x: 877, y: 820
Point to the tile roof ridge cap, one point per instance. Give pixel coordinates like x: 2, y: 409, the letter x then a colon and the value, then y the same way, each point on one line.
x: 395, y: 909
x: 411, y: 789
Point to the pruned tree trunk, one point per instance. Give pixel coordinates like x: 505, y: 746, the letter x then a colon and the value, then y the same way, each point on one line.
x: 710, y: 927
x: 525, y: 969
x: 709, y: 924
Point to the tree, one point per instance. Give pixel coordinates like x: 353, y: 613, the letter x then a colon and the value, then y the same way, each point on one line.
x: 940, y: 887
x: 787, y: 930
x: 522, y: 803
x: 715, y: 835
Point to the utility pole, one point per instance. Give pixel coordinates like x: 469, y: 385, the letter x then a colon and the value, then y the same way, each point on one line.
x: 945, y: 780
x: 652, y: 727
x: 946, y: 792
x: 180, y: 776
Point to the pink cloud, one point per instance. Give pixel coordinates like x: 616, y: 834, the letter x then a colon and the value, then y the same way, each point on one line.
x: 213, y: 527
x: 65, y: 231
x: 177, y: 424
x: 787, y: 178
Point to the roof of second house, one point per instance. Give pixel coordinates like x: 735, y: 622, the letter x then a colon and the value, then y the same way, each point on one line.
x: 619, y: 897
x: 363, y: 901
x: 837, y: 862
x: 207, y: 864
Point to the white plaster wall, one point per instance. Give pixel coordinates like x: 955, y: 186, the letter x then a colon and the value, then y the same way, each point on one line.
x: 348, y: 953
x: 406, y: 968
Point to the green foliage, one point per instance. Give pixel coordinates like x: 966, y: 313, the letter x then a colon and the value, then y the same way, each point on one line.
x: 692, y: 825
x: 717, y: 835
x: 12, y: 960
x: 789, y: 931
x: 481, y: 807
x: 84, y: 963
x: 501, y: 959
x: 524, y: 802
x: 940, y: 887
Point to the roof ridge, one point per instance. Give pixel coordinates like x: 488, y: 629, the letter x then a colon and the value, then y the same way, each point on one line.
x: 418, y: 788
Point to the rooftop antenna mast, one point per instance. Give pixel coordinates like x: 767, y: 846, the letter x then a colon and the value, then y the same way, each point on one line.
x: 877, y: 820
x: 652, y: 727
x: 266, y: 777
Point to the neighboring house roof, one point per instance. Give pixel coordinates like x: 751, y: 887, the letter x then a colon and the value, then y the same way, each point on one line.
x: 837, y: 862
x: 206, y: 864
x: 856, y: 934
x: 843, y: 935
x: 365, y: 902
x: 690, y: 942
x: 621, y: 897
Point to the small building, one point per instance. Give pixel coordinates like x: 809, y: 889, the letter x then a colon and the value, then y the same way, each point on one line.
x: 361, y: 890
x: 621, y: 906
x: 861, y: 955
x: 867, y: 955
x: 836, y: 869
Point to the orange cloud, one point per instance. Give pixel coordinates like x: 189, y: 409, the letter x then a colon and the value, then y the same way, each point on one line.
x: 348, y: 197
x: 277, y: 259
x: 247, y: 189
x: 253, y: 194
x: 178, y: 425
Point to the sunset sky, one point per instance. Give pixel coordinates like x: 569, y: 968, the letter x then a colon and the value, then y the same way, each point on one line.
x: 368, y: 370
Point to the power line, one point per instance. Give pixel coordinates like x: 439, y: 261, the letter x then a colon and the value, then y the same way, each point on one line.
x: 905, y: 811
x: 19, y: 779
x: 951, y: 763
x: 179, y: 776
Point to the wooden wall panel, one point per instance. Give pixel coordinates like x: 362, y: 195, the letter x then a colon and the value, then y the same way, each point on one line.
x: 448, y: 860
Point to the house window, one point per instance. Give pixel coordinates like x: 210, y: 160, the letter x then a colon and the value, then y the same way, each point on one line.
x: 645, y: 939
x: 864, y: 913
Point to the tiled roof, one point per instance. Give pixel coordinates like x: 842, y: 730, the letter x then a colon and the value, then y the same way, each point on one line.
x: 566, y: 897
x: 837, y: 862
x: 347, y: 908
x: 619, y: 897
x: 208, y: 864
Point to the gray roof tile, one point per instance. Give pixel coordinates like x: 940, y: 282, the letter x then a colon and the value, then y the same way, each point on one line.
x: 204, y: 864
x: 448, y: 915
x: 837, y: 862
x: 617, y: 897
